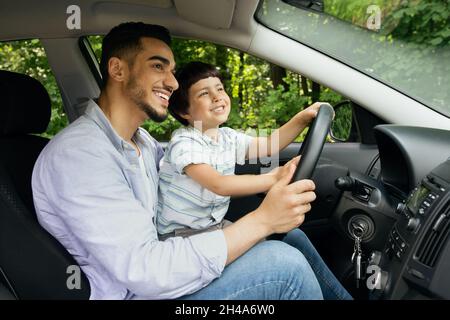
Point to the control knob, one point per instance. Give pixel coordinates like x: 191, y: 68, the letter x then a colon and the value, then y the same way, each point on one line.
x: 400, y: 208
x: 412, y: 225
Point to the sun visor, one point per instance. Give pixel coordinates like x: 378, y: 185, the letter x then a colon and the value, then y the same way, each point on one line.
x: 162, y: 4
x: 216, y: 14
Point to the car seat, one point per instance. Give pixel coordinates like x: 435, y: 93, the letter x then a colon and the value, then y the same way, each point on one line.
x: 33, y: 264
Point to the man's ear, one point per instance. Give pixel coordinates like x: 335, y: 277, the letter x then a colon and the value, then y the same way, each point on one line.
x: 117, y: 69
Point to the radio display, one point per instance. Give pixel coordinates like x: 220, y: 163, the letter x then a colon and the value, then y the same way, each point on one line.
x: 416, y: 198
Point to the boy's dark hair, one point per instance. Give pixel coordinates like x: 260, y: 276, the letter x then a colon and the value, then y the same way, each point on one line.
x: 124, y: 41
x: 187, y: 76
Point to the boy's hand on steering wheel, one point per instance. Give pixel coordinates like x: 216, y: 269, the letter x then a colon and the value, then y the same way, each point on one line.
x: 280, y: 172
x: 308, y: 114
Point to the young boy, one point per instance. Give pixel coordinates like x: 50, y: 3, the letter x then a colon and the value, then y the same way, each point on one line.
x: 197, y: 172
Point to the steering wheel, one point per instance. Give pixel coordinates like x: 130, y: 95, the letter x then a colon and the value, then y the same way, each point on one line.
x: 313, y: 144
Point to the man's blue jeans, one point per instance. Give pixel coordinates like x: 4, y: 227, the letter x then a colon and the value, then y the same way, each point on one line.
x: 291, y: 269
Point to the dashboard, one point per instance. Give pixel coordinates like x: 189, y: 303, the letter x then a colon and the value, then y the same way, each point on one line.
x: 415, y: 260
x: 415, y: 175
x: 401, y: 205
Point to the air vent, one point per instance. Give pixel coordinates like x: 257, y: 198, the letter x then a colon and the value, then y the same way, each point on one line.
x: 435, y: 237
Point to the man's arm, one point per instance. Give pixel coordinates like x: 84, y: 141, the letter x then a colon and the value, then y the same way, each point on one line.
x: 267, y: 146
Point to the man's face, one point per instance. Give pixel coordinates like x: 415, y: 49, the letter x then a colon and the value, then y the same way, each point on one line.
x: 151, y: 80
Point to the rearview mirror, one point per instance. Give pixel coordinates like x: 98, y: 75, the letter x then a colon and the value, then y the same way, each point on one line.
x: 312, y: 5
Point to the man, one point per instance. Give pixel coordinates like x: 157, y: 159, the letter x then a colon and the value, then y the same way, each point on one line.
x: 95, y: 190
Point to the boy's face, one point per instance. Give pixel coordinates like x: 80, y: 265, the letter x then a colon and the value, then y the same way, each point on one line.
x: 208, y: 103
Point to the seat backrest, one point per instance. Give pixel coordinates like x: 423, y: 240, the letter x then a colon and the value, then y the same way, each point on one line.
x: 34, y: 265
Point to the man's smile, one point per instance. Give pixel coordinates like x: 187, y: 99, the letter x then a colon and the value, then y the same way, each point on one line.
x: 163, y: 96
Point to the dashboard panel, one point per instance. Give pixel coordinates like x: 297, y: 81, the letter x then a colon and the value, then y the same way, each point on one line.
x: 407, y: 154
x: 415, y: 171
x: 416, y: 257
x: 394, y: 204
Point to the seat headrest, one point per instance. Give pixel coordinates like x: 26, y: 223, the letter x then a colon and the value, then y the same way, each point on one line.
x: 24, y: 105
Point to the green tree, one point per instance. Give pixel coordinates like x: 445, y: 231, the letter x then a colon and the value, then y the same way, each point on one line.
x: 410, y: 47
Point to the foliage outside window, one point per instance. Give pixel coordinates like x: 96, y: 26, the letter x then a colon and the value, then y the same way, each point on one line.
x: 264, y: 96
x: 407, y: 46
x: 28, y: 57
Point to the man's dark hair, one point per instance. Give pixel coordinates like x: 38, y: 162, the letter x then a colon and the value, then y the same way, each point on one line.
x: 124, y: 41
x: 187, y: 76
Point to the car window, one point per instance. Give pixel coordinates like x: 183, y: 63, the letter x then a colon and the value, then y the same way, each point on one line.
x: 264, y: 96
x: 405, y: 44
x: 28, y: 57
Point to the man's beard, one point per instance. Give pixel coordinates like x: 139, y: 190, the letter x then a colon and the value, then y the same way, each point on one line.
x: 138, y: 95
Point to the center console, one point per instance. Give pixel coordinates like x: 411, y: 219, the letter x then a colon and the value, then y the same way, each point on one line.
x: 415, y: 261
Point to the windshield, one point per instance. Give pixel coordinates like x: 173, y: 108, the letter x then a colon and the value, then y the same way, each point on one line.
x: 405, y: 44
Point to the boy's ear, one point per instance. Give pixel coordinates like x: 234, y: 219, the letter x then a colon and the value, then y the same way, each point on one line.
x: 186, y: 116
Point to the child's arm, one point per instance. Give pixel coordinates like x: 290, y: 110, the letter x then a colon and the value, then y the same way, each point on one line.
x: 232, y: 185
x: 235, y: 185
x: 285, y: 134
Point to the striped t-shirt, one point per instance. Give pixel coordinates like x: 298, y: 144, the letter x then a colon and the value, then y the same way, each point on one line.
x: 182, y: 202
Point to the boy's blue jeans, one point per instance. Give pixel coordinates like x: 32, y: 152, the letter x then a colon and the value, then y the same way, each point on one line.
x: 291, y: 269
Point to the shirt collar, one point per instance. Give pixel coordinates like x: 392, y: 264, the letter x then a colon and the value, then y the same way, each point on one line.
x: 205, y: 138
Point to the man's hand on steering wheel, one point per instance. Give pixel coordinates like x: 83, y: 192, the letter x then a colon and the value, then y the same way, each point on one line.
x: 285, y: 205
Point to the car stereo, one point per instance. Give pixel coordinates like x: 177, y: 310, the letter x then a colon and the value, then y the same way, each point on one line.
x: 417, y: 199
x: 424, y: 195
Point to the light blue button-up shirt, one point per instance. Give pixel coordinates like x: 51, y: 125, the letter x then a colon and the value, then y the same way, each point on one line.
x: 89, y: 193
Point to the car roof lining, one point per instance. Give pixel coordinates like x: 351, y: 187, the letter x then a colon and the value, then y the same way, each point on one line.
x: 193, y: 18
